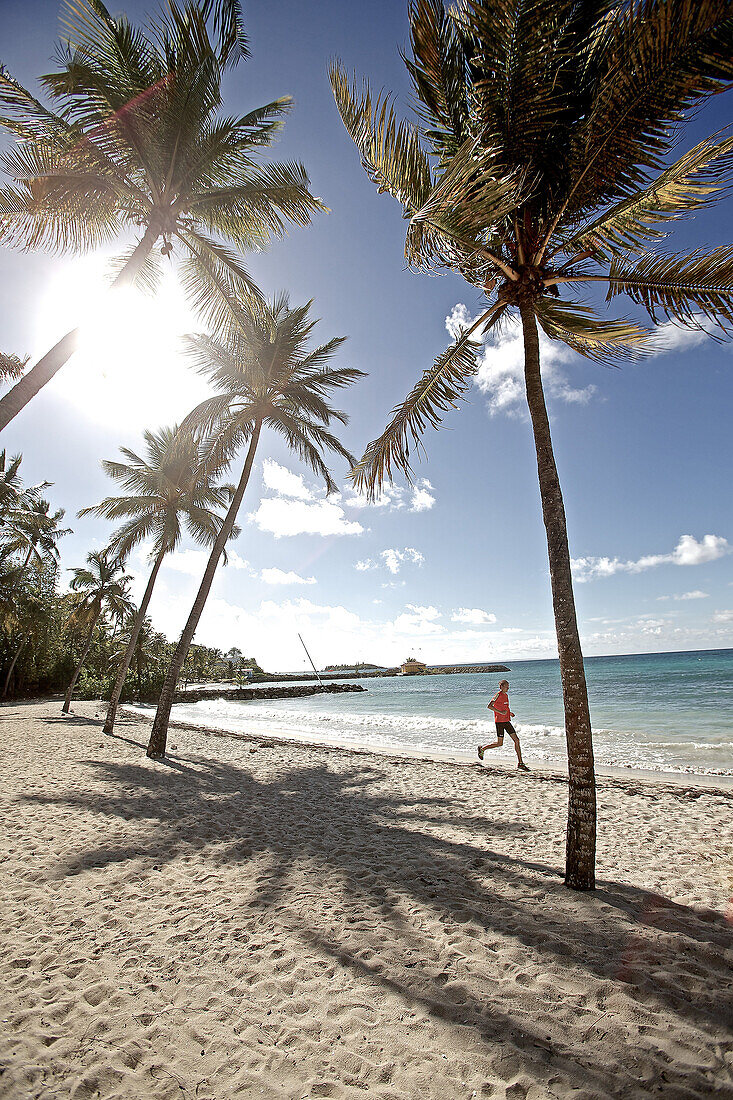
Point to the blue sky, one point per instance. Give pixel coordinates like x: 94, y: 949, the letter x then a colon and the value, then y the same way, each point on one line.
x: 455, y: 569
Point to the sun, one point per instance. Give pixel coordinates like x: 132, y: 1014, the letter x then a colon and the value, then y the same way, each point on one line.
x: 129, y: 370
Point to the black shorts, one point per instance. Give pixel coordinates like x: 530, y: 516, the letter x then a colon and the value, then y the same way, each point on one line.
x: 504, y: 727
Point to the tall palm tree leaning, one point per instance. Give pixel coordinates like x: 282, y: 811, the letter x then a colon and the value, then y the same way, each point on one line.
x: 103, y: 589
x: 539, y: 162
x: 265, y: 377
x: 171, y: 487
x: 138, y: 144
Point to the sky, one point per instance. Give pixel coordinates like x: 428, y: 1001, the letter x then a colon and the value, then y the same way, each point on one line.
x: 454, y: 567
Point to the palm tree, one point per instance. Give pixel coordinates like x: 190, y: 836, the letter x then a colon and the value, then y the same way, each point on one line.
x: 540, y: 162
x: 11, y: 367
x: 172, y: 487
x: 138, y: 144
x: 265, y: 377
x: 30, y: 528
x: 33, y: 529
x: 14, y: 496
x: 102, y: 589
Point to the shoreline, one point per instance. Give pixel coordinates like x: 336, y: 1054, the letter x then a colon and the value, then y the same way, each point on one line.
x: 722, y: 783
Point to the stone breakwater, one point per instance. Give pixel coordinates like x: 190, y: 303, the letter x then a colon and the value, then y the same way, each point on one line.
x: 365, y: 674
x: 457, y: 669
x: 288, y: 692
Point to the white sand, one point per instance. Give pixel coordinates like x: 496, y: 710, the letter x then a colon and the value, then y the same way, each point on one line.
x: 250, y: 919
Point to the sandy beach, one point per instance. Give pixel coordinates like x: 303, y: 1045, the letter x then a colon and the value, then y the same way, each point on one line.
x: 257, y: 919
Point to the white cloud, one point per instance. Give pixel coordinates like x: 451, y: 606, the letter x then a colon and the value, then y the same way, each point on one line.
x: 723, y: 616
x: 472, y: 615
x: 688, y: 551
x: 277, y: 576
x: 391, y: 498
x: 284, y: 482
x: 392, y: 559
x: 671, y: 337
x: 696, y: 595
x: 500, y: 374
x: 419, y: 497
x: 284, y: 517
x: 234, y: 561
x: 422, y: 497
x: 299, y: 509
x: 269, y: 630
x: 192, y: 562
x: 418, y: 620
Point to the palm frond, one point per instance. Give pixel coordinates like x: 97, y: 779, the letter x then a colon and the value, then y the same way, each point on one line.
x: 25, y: 116
x: 438, y: 73
x: 695, y: 181
x: 307, y: 441
x: 229, y: 27
x: 679, y: 287
x: 655, y: 60
x: 391, y: 152
x: 214, y: 280
x: 11, y: 366
x: 257, y: 209
x: 473, y: 194
x: 580, y: 327
x: 148, y: 274
x: 436, y: 392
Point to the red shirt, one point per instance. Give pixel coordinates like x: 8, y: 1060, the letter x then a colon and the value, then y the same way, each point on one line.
x: 501, y: 707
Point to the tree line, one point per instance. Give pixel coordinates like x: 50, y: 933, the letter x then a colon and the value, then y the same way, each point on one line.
x: 75, y: 638
x: 540, y: 161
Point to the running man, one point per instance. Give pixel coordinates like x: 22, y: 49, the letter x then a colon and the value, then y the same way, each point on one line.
x: 502, y: 715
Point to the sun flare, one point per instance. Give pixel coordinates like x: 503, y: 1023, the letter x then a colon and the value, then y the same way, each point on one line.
x: 130, y: 369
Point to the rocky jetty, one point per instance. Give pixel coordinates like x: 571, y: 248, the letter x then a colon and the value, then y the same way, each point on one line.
x: 453, y: 669
x: 284, y: 692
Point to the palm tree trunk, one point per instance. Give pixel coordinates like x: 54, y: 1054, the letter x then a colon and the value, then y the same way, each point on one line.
x: 580, y: 852
x: 109, y: 723
x: 67, y: 701
x: 12, y: 666
x: 159, y: 733
x: 31, y: 383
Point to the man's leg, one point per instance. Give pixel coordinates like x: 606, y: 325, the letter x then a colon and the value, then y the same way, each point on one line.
x: 517, y: 747
x: 494, y: 745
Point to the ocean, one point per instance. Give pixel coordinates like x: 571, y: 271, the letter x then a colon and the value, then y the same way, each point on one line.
x: 660, y: 712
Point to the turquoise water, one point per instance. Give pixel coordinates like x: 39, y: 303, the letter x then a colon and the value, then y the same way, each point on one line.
x: 657, y: 711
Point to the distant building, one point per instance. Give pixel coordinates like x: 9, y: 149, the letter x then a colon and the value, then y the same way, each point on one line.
x: 244, y: 666
x: 411, y: 667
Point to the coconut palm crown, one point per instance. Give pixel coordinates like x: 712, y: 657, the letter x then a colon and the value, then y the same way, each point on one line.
x: 137, y: 142
x: 541, y: 161
x: 171, y: 487
x: 538, y: 164
x: 265, y: 376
